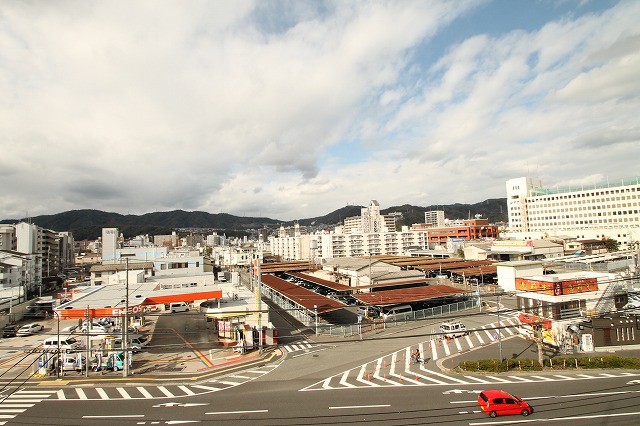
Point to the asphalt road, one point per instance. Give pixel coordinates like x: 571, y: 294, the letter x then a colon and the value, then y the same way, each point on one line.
x: 342, y: 381
x: 277, y: 399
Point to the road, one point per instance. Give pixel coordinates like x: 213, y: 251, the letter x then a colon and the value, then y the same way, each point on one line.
x: 277, y: 398
x: 342, y: 382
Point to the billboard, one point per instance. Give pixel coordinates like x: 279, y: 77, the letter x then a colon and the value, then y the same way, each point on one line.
x: 557, y: 288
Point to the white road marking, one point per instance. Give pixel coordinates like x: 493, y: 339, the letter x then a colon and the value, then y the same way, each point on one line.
x: 123, y: 393
x: 208, y: 388
x: 166, y: 391
x: 186, y: 390
x: 144, y: 392
x: 236, y: 412
x: 469, y: 342
x: 446, y: 347
x: 350, y: 407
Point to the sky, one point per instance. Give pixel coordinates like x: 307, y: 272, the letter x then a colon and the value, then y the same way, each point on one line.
x: 293, y: 109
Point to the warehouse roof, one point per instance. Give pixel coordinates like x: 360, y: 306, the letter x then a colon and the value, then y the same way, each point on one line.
x: 407, y: 295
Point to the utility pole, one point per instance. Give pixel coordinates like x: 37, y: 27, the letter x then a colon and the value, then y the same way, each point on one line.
x: 499, y: 331
x: 125, y: 327
x: 538, y: 338
x: 259, y: 305
x: 88, y: 324
x: 57, y: 314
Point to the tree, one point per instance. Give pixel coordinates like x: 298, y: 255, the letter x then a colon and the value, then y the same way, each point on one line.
x: 611, y: 244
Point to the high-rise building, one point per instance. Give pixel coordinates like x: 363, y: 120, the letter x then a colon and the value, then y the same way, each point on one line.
x: 434, y: 218
x: 606, y: 210
x: 370, y: 221
x: 109, y: 243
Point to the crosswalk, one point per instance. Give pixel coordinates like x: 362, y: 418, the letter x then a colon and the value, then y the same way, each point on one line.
x: 298, y: 346
x: 162, y: 391
x: 435, y: 348
x: 401, y: 371
x: 19, y: 401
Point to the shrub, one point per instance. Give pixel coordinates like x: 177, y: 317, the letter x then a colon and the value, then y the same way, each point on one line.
x: 605, y: 361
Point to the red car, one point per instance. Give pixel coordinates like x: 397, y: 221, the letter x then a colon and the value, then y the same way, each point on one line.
x: 500, y: 403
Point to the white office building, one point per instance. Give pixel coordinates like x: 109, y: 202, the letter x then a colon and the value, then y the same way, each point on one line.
x: 607, y: 210
x: 109, y: 243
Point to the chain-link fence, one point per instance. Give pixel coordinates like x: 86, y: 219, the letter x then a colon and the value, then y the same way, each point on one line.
x: 394, y: 320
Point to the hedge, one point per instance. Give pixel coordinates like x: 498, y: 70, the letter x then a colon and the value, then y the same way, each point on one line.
x: 494, y: 366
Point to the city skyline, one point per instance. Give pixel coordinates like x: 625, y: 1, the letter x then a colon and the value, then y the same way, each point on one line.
x: 290, y: 109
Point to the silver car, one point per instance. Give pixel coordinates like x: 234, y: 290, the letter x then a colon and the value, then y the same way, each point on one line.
x: 29, y: 329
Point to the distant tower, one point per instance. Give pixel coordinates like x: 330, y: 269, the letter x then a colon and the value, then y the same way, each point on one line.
x: 109, y: 243
x: 434, y: 218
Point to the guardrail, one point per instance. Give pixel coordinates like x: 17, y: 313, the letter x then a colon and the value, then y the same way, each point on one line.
x: 393, y: 320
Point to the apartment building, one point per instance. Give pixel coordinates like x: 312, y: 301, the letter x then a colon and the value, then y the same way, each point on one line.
x: 434, y: 218
x: 606, y: 210
x: 370, y: 221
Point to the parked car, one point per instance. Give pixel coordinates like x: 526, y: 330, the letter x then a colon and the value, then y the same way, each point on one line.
x: 96, y: 325
x: 136, y: 342
x: 10, y: 330
x: 29, y: 329
x: 72, y: 363
x: 96, y: 328
x: 500, y: 403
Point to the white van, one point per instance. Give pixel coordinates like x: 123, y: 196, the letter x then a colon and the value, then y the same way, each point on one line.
x: 451, y: 330
x: 66, y: 344
x: 399, y: 310
x: 178, y: 307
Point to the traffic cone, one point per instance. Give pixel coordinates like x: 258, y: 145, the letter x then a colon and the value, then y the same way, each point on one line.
x: 400, y: 376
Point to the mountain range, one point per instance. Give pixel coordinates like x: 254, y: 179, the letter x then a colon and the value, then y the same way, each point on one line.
x: 87, y: 224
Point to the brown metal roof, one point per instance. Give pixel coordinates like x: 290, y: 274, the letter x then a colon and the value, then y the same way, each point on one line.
x: 301, y: 296
x: 270, y: 267
x: 406, y: 295
x: 330, y: 284
x: 484, y: 270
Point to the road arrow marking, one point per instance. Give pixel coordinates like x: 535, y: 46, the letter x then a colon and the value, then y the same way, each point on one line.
x: 634, y: 382
x: 453, y: 391
x: 180, y: 404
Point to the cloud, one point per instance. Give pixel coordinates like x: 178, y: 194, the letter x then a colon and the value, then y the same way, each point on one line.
x: 293, y: 109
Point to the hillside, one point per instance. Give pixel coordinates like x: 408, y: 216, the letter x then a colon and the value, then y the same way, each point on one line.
x: 87, y: 224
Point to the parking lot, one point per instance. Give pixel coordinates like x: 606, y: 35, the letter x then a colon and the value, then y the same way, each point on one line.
x: 176, y: 341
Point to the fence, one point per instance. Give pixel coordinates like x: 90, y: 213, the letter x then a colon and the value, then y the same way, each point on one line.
x: 394, y: 320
